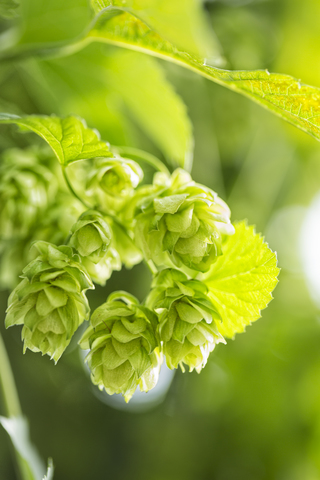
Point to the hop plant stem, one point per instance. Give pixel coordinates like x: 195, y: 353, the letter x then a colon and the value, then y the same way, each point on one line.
x: 11, y: 400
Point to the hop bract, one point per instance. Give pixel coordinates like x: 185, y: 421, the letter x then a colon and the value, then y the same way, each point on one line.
x: 112, y: 182
x: 182, y: 222
x: 50, y: 301
x: 123, y: 346
x: 187, y: 325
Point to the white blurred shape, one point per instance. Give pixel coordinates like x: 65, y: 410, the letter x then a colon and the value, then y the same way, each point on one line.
x: 283, y: 235
x: 310, y: 248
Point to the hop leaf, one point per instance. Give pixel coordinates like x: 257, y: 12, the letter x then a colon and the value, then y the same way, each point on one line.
x: 182, y: 223
x: 241, y: 282
x: 112, y: 182
x: 123, y: 346
x: 50, y: 301
x: 187, y: 323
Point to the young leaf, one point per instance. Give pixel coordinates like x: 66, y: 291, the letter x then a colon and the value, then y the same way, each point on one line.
x: 297, y: 103
x: 69, y: 137
x: 30, y: 462
x: 241, y: 280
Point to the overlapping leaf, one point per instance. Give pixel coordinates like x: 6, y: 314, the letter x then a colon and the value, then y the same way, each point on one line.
x: 241, y: 281
x: 100, y: 89
x: 69, y: 137
x: 287, y: 97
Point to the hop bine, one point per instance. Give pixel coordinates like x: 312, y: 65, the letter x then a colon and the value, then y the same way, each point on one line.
x: 50, y: 301
x: 187, y: 325
x: 181, y: 223
x: 123, y: 346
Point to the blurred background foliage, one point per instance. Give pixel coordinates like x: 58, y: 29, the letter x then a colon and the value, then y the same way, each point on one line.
x: 254, y: 412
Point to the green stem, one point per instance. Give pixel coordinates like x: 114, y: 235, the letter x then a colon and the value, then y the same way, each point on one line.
x: 8, y: 387
x: 11, y: 400
x: 72, y: 190
x: 151, y: 266
x: 136, y: 153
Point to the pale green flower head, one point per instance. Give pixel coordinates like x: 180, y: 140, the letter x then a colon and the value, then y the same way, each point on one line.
x: 182, y: 224
x: 187, y: 323
x: 26, y: 189
x: 112, y: 182
x: 91, y: 236
x: 123, y: 346
x: 50, y: 301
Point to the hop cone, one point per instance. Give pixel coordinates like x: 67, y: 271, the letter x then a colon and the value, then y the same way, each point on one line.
x: 185, y: 220
x: 122, y: 344
x: 26, y: 188
x: 50, y: 301
x: 112, y: 182
x: 187, y: 325
x: 91, y: 236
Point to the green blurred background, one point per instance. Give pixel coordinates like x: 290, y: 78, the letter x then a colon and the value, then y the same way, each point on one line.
x: 254, y: 411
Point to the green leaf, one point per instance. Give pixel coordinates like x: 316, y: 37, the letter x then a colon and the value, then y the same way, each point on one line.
x: 8, y: 8
x: 241, y: 280
x: 126, y: 83
x: 69, y: 137
x: 47, y: 22
x: 181, y: 22
x: 30, y: 461
x: 285, y: 96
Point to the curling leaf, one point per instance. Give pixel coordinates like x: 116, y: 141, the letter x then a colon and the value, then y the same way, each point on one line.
x: 240, y: 282
x: 69, y: 137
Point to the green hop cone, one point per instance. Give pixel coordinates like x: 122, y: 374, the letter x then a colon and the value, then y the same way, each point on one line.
x: 93, y: 239
x: 50, y: 301
x: 112, y: 182
x: 26, y: 189
x: 182, y: 223
x: 187, y: 325
x: 91, y: 236
x: 123, y: 346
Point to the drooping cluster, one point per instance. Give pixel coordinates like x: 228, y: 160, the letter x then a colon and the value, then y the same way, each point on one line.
x: 50, y: 301
x: 181, y: 223
x: 176, y: 226
x: 124, y: 351
x: 186, y: 327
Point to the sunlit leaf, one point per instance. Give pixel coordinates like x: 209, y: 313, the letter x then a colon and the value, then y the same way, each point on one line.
x: 69, y: 137
x: 287, y: 97
x: 240, y: 282
x: 181, y: 22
